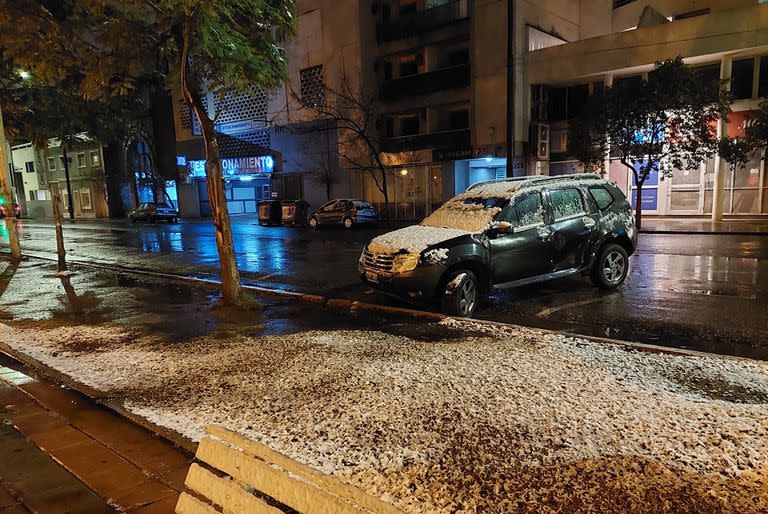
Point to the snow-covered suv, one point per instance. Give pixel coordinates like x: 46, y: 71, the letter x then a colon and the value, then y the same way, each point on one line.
x: 506, y: 233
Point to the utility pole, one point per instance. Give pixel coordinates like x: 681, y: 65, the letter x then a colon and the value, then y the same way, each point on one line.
x: 7, y: 197
x: 66, y: 177
x: 510, y: 142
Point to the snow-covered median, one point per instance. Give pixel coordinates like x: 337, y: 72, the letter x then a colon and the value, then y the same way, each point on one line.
x: 479, y: 420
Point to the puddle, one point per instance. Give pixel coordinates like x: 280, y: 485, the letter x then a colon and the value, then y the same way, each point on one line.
x: 719, y: 389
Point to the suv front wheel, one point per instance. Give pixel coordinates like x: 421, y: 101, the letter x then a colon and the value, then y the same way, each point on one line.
x: 611, y: 266
x: 461, y: 294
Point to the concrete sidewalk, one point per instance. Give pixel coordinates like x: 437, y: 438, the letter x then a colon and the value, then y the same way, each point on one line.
x: 667, y: 225
x: 61, y: 452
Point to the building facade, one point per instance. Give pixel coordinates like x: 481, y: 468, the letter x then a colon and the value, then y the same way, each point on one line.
x: 439, y: 72
x: 727, y: 40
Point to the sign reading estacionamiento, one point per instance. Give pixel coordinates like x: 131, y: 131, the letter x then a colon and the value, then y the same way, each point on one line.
x: 262, y: 165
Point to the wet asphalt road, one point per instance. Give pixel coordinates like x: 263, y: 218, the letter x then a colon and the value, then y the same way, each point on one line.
x: 705, y: 292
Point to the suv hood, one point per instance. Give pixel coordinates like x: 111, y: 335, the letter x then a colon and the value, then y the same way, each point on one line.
x: 414, y: 239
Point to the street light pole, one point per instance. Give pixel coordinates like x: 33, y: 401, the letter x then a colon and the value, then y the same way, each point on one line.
x: 510, y: 140
x: 7, y: 197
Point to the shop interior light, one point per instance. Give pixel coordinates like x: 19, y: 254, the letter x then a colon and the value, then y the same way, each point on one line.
x: 403, y: 172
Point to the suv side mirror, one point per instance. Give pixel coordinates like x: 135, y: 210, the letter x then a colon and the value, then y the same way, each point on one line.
x: 502, y: 227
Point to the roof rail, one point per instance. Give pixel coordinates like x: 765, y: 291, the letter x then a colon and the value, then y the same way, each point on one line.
x: 537, y: 179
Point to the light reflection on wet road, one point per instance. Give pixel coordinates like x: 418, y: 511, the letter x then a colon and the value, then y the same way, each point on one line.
x: 699, y: 291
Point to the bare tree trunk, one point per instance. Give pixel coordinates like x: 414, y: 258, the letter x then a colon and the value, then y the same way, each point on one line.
x: 69, y: 184
x: 230, y: 275
x: 60, y: 251
x: 639, y: 205
x: 385, y: 192
x: 7, y: 198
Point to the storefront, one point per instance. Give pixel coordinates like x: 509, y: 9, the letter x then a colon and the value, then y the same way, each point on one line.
x: 247, y: 168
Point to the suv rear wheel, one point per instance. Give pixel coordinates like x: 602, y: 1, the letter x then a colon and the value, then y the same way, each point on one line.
x: 611, y: 267
x: 461, y: 294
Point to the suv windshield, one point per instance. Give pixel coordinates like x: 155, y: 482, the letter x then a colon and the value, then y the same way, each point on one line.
x: 470, y: 214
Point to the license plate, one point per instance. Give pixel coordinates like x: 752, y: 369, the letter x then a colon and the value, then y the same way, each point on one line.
x: 372, y: 277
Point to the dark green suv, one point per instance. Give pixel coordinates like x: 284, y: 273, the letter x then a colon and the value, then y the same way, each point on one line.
x: 506, y: 233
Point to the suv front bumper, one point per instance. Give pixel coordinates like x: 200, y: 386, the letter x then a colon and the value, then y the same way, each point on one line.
x: 420, y: 283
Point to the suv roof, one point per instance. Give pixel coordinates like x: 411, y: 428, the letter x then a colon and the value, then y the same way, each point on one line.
x: 507, y: 187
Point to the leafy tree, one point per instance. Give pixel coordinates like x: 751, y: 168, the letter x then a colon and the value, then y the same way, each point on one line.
x: 194, y: 45
x: 654, y: 126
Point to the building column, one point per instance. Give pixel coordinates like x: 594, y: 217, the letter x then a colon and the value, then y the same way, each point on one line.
x: 721, y: 166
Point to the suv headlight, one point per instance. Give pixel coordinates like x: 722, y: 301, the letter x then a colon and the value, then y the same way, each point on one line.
x: 405, y: 262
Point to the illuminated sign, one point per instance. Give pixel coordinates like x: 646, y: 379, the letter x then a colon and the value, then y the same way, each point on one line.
x: 181, y: 160
x: 262, y: 165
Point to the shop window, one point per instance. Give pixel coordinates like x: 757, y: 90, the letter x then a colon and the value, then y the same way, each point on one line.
x: 312, y: 88
x: 566, y: 203
x: 762, y: 88
x: 30, y: 166
x: 409, y: 126
x: 458, y: 120
x: 742, y: 73
x: 630, y: 80
x: 557, y: 109
x: 577, y: 99
x: 709, y: 75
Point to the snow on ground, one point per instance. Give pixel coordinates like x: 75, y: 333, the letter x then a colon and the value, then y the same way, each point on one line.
x: 476, y: 419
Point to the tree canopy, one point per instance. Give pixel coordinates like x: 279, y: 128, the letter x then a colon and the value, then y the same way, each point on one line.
x: 655, y: 125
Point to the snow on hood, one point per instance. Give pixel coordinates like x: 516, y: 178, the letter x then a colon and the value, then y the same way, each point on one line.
x: 413, y: 239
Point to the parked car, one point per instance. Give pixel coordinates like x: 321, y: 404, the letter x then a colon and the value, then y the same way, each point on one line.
x: 153, y: 212
x: 345, y: 212
x: 506, y: 233
x: 16, y: 210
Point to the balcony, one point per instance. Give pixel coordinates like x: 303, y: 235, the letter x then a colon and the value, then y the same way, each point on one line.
x: 422, y: 21
x: 448, y: 140
x: 423, y: 83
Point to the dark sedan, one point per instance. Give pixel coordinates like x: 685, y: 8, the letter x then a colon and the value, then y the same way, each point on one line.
x: 346, y: 213
x: 153, y: 212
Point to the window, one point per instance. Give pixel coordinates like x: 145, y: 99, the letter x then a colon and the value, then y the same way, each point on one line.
x: 30, y: 166
x: 762, y: 87
x: 709, y: 74
x: 409, y: 126
x: 61, y: 160
x: 328, y: 207
x: 567, y: 102
x: 741, y: 78
x: 265, y: 191
x: 312, y: 88
x: 459, y: 57
x: 409, y: 66
x: 95, y: 159
x: 458, y: 120
x: 33, y: 195
x: 566, y: 203
x: 602, y: 197
x: 81, y: 160
x: 51, y: 163
x: 526, y: 212
x: 85, y: 199
x: 407, y: 7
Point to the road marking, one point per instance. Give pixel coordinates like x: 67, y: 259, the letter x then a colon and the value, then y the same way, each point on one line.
x: 546, y: 312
